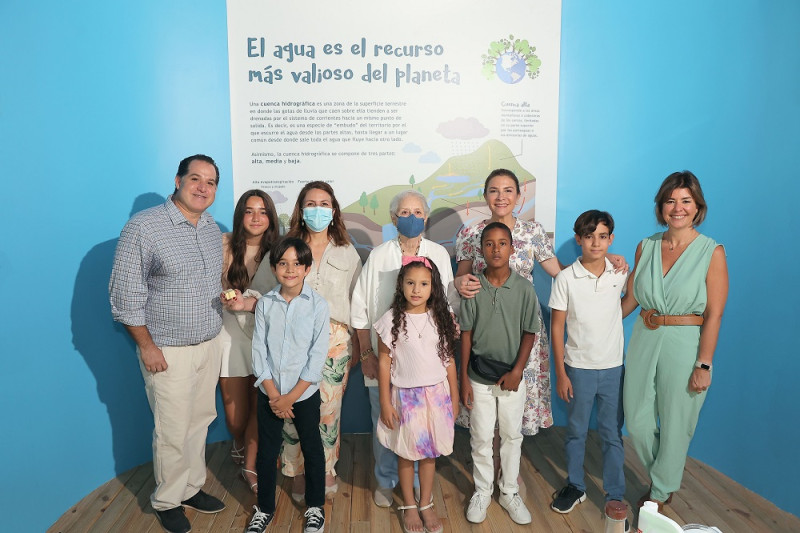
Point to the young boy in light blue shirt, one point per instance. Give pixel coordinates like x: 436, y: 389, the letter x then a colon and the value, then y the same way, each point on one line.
x: 290, y: 344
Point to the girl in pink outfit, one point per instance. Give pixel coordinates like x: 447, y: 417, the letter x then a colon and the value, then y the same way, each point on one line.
x: 418, y: 388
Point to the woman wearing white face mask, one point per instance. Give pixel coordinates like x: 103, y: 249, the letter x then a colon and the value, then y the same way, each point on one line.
x: 317, y: 220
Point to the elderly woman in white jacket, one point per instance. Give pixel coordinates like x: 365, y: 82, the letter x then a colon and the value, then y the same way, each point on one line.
x: 372, y: 298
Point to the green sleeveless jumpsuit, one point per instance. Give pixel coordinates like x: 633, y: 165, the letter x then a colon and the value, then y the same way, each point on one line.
x: 660, y: 412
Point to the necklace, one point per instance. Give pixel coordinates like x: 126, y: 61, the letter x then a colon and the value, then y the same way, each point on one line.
x: 404, y: 249
x: 419, y: 331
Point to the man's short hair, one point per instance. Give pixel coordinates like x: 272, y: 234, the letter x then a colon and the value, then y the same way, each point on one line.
x: 300, y: 247
x: 587, y: 222
x: 183, y: 166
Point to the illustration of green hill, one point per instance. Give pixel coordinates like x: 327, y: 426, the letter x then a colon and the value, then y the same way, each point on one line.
x: 453, y: 186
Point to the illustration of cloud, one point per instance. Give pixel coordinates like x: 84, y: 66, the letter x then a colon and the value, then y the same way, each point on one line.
x: 411, y: 148
x: 462, y: 128
x: 429, y: 157
x: 277, y: 196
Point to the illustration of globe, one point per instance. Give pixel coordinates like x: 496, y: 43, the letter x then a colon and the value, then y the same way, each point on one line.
x: 510, y: 67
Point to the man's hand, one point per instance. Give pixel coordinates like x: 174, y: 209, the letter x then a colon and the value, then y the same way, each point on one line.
x: 153, y: 359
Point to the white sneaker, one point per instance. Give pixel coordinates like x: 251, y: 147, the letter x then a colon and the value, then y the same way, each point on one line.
x: 516, y: 508
x: 476, y: 511
x: 383, y: 497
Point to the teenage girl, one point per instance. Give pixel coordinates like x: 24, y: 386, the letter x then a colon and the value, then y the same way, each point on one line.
x: 246, y: 270
x: 417, y: 382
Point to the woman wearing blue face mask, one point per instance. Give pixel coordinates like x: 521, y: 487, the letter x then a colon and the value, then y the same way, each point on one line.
x: 335, y: 268
x: 373, y: 296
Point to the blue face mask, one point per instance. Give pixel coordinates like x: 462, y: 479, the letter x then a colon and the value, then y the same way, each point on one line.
x: 317, y: 218
x: 410, y: 226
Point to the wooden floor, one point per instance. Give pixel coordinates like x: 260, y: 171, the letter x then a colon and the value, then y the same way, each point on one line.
x: 706, y: 496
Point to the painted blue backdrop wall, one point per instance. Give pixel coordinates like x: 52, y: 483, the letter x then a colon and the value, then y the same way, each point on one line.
x: 100, y: 100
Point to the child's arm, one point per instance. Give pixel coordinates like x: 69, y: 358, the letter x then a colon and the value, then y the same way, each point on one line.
x: 466, y: 387
x: 388, y: 413
x: 453, y: 382
x: 563, y: 383
x: 511, y: 379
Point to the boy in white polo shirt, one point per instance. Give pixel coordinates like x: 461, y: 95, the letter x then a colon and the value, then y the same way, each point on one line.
x: 586, y: 296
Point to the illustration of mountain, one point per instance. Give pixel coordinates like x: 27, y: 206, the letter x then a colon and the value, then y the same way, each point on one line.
x: 454, y: 193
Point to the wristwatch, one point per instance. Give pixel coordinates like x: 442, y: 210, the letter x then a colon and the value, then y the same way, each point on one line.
x: 699, y: 364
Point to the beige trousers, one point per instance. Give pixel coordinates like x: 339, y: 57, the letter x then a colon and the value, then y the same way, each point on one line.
x: 183, y: 401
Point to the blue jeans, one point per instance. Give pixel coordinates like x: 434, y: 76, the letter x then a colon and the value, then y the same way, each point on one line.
x: 385, y: 459
x: 606, y: 386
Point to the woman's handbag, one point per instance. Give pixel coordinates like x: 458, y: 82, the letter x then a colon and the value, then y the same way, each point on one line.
x: 489, y: 369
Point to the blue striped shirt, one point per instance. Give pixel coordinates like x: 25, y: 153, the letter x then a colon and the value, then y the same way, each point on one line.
x: 167, y: 276
x: 290, y: 340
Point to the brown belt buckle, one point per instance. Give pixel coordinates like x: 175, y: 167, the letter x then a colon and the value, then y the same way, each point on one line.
x: 646, y: 316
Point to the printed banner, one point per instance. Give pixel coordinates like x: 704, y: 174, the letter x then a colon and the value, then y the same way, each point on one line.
x: 374, y: 98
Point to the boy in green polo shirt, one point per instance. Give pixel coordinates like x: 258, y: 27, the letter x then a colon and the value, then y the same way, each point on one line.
x: 498, y: 328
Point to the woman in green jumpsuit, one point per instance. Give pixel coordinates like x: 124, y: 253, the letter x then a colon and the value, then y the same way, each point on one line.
x: 680, y: 280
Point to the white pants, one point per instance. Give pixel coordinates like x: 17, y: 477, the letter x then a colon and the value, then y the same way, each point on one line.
x: 183, y: 401
x: 490, y: 405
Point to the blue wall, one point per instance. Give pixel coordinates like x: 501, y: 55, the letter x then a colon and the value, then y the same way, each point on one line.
x: 100, y: 101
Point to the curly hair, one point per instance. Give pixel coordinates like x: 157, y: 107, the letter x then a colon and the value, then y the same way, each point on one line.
x: 437, y: 304
x: 237, y: 275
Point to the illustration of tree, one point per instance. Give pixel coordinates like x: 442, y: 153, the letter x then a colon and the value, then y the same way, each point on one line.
x: 412, y: 181
x: 284, y: 220
x: 363, y: 202
x: 373, y: 204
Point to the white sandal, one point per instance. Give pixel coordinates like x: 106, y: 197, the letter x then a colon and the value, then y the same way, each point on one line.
x: 237, y: 453
x: 441, y: 526
x: 254, y: 485
x: 405, y: 508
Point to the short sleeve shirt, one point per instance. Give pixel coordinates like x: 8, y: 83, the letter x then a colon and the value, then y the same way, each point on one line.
x: 594, y: 315
x: 415, y: 361
x: 497, y: 317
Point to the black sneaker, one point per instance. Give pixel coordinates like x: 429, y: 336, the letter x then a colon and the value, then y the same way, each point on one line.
x: 259, y: 522
x: 174, y: 520
x: 204, y: 503
x: 315, y: 520
x: 566, y: 499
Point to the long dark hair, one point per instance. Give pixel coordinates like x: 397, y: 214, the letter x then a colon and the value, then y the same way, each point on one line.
x: 238, y: 278
x: 336, y: 231
x: 437, y: 303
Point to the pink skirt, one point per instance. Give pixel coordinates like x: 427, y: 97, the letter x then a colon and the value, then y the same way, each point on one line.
x: 426, y: 422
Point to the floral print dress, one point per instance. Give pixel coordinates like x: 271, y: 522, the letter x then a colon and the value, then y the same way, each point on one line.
x: 531, y: 244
